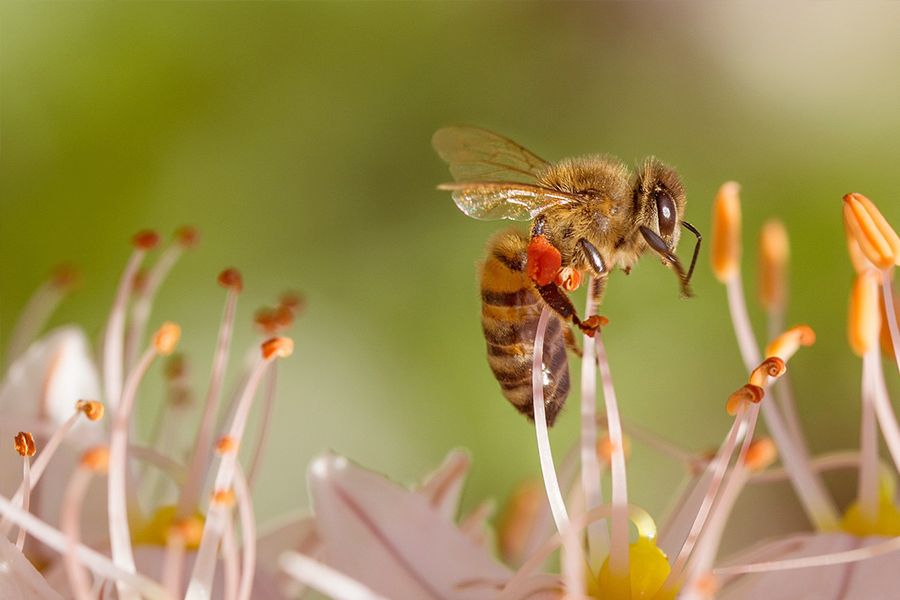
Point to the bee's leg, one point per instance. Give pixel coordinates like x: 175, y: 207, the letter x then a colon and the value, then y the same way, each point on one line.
x: 593, y: 258
x: 659, y: 246
x: 699, y: 237
x: 571, y: 343
x: 559, y: 302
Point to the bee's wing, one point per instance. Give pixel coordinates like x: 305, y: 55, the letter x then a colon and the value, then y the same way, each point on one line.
x: 489, y: 201
x: 476, y: 154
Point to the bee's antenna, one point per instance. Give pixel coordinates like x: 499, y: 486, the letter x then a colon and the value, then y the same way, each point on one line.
x: 693, y: 230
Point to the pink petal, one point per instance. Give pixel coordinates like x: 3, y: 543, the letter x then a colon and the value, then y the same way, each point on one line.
x: 876, y: 578
x: 443, y: 488
x: 393, y: 540
x: 19, y: 580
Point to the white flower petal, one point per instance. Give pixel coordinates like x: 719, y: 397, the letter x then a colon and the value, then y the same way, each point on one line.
x: 443, y: 488
x: 50, y: 377
x: 19, y: 580
x: 393, y: 540
x: 871, y: 579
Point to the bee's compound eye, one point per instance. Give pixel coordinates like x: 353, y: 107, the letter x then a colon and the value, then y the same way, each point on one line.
x: 665, y: 207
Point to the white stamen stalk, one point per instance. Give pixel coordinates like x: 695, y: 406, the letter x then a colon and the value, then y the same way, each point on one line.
x: 618, y: 555
x: 554, y: 495
x: 200, y: 456
x: 119, y: 531
x: 819, y: 560
x: 88, y: 557
x: 887, y: 420
x: 262, y: 438
x: 115, y: 327
x: 143, y: 301
x: 323, y: 578
x: 598, y: 539
x: 26, y: 484
x: 230, y: 563
x: 37, y: 311
x: 867, y: 489
x: 173, y: 563
x: 888, y: 294
x: 826, y: 462
x: 248, y: 534
x: 69, y: 520
x: 200, y: 585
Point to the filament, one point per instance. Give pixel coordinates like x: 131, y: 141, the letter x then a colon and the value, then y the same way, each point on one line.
x: 891, y: 313
x: 323, y: 578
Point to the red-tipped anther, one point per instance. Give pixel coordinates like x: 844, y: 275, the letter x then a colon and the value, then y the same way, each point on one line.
x: 65, y: 276
x: 226, y: 444
x: 145, y: 240
x: 544, y: 260
x: 231, y: 278
x: 187, y: 236
x: 761, y: 454
x: 787, y: 344
x: 25, y: 444
x: 569, y: 279
x: 223, y: 497
x: 96, y: 459
x: 92, y: 409
x: 773, y: 367
x: 294, y: 301
x: 745, y: 395
x: 166, y: 338
x: 278, y: 347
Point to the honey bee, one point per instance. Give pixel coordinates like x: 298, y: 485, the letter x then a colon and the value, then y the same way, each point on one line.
x: 589, y: 215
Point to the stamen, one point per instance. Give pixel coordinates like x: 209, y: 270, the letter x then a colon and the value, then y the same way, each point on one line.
x: 268, y: 410
x: 92, y: 409
x: 324, y: 579
x: 94, y: 460
x: 119, y: 532
x: 606, y: 450
x: 25, y: 447
x: 726, y: 233
x: 787, y: 344
x: 761, y: 454
x: 232, y: 280
x: 39, y: 308
x: 877, y: 239
x: 545, y: 453
x: 279, y: 347
x: 248, y: 534
x: 819, y: 560
x: 226, y: 444
x: 893, y: 327
x: 24, y: 443
x: 745, y: 395
x: 773, y: 367
x: 774, y: 251
x: 867, y: 484
x: 864, y: 321
x: 887, y: 420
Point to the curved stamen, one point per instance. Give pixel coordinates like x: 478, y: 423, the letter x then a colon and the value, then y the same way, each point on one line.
x: 323, y: 578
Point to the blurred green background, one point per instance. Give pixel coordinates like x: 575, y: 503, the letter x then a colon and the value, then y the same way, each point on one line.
x: 296, y: 137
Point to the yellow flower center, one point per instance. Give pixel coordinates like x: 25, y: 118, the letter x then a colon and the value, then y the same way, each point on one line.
x: 156, y: 531
x: 649, y: 568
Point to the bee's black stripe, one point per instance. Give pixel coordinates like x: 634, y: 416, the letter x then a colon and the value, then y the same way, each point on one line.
x: 513, y: 263
x: 521, y: 297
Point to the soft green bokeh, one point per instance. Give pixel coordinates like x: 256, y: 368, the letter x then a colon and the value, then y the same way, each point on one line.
x: 296, y: 136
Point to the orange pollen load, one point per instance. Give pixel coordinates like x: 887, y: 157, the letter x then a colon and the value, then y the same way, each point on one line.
x: 145, y: 240
x: 223, y: 497
x: 231, y: 278
x: 92, y: 409
x: 96, y: 459
x: 772, y: 367
x: 787, y: 344
x: 25, y: 444
x: 544, y: 261
x: 760, y: 454
x: 166, y: 338
x: 726, y: 233
x: 187, y: 236
x: 226, y: 444
x: 875, y: 236
x: 278, y: 347
x: 746, y: 394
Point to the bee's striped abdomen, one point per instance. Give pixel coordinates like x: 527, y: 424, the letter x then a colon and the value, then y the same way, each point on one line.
x: 510, y: 309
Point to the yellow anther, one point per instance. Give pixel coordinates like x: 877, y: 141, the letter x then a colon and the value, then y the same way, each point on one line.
x: 166, y: 338
x: 278, y: 347
x: 24, y: 443
x: 96, y: 459
x: 875, y: 236
x: 92, y: 409
x: 743, y: 396
x: 774, y: 250
x: 726, y: 232
x: 787, y: 344
x: 864, y: 318
x: 772, y: 367
x: 761, y: 454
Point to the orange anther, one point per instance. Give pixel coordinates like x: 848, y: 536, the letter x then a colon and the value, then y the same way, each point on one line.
x: 787, y: 344
x: 293, y: 300
x: 231, y: 278
x: 544, y: 260
x: 605, y: 448
x: 864, y: 319
x: 189, y: 529
x: 226, y: 444
x: 773, y: 367
x: 145, y: 240
x: 223, y: 497
x: 166, y: 338
x: 760, y: 454
x: 887, y: 345
x: 96, y: 459
x: 875, y: 236
x: 187, y: 236
x: 774, y: 250
x: 92, y: 409
x: 746, y: 394
x: 24, y: 443
x: 278, y: 347
x: 726, y: 232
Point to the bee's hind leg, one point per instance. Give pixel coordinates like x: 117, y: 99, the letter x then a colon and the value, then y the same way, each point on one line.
x: 559, y: 302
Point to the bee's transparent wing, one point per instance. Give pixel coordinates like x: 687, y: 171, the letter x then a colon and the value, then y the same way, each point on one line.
x: 476, y: 154
x: 491, y: 201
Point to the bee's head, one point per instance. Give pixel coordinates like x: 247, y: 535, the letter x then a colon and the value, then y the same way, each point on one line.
x: 660, y: 199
